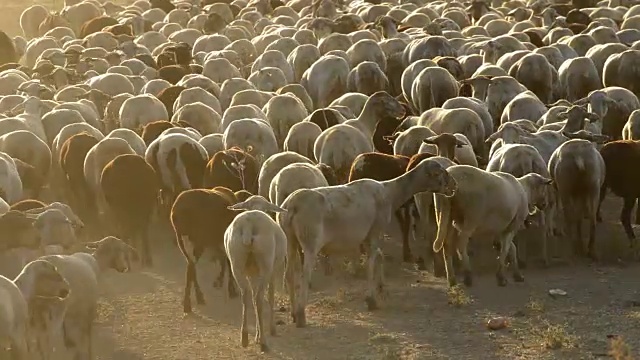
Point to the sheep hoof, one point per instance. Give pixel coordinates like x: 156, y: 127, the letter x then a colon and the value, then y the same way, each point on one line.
x: 407, y: 258
x: 264, y: 348
x: 468, y: 279
x: 452, y: 281
x: 186, y: 307
x: 371, y: 303
x: 421, y: 264
x: 245, y: 339
x: 518, y: 277
x: 301, y: 319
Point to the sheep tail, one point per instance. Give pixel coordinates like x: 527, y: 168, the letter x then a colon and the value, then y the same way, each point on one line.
x: 580, y: 164
x: 443, y: 218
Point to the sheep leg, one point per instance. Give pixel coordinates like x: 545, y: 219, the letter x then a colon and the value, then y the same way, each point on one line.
x: 186, y: 302
x: 292, y: 270
x: 603, y: 193
x: 310, y: 257
x: 638, y: 212
x: 506, y: 240
x: 231, y: 287
x: 258, y: 305
x: 375, y: 285
x: 592, y: 239
x: 403, y: 216
x: 463, y: 242
x: 447, y: 256
x: 513, y: 254
x: 246, y: 302
x: 272, y: 305
x: 625, y: 219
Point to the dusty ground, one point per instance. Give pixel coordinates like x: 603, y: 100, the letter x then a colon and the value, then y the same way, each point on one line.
x: 140, y: 315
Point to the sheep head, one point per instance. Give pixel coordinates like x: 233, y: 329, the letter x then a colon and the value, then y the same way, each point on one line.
x: 387, y: 104
x: 256, y: 202
x: 114, y: 253
x: 435, y: 178
x: 538, y: 191
x: 42, y: 279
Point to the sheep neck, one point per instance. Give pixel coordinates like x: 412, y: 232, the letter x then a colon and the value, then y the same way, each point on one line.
x: 401, y: 189
x: 370, y: 116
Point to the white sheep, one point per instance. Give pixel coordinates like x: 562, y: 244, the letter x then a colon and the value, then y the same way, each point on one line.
x: 140, y: 110
x: 10, y: 182
x: 301, y: 138
x: 201, y: 116
x: 293, y: 177
x: 30, y: 20
x: 134, y: 140
x: 338, y: 219
x: 82, y: 272
x: 254, y: 134
x: 496, y: 204
x: 257, y: 249
x: 37, y: 279
x: 283, y: 112
x: 326, y: 80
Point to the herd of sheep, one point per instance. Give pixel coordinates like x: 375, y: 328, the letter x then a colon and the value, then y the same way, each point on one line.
x: 272, y: 134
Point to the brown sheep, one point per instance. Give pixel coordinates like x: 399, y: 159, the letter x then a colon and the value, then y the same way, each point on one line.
x: 96, y: 25
x: 222, y: 170
x: 173, y: 73
x: 71, y: 160
x: 119, y: 29
x: 130, y: 187
x: 152, y: 130
x: 191, y: 218
x: 168, y: 96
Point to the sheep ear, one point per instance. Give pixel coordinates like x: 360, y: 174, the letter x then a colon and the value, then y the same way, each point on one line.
x: 582, y: 101
x: 276, y: 209
x: 92, y: 245
x: 512, y: 12
x: 546, y: 181
x: 492, y: 137
x: 430, y: 140
x: 237, y: 207
x: 460, y: 143
x: 563, y: 115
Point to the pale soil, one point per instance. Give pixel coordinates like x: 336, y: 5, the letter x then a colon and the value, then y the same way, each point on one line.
x: 140, y: 314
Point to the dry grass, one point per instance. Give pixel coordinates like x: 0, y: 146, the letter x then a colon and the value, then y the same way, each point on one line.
x: 458, y: 297
x: 556, y: 337
x: 620, y: 350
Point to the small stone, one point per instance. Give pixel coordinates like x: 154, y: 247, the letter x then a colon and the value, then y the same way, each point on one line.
x: 497, y: 323
x: 555, y: 293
